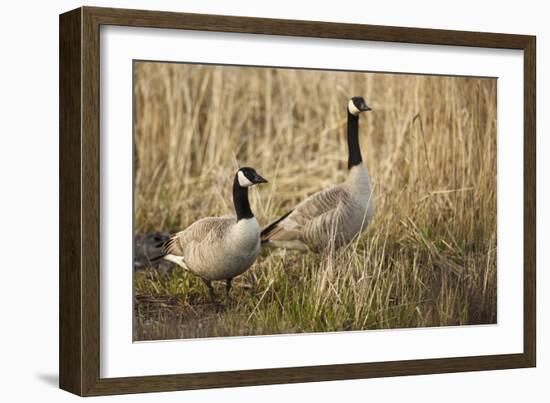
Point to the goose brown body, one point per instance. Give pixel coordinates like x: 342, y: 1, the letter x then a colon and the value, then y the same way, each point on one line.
x: 334, y: 215
x: 216, y: 248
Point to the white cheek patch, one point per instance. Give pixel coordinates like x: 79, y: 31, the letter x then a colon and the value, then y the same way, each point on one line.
x: 353, y: 109
x: 243, y: 180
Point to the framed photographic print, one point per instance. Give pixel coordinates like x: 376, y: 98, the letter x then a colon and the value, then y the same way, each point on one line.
x: 249, y: 201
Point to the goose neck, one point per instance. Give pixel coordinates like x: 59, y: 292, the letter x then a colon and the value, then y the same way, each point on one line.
x: 240, y: 201
x: 354, y: 150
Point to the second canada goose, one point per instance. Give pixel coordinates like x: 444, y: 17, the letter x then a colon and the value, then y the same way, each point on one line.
x: 336, y: 214
x: 220, y: 248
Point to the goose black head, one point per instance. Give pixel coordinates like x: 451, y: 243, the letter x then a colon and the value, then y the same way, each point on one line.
x: 356, y: 105
x: 247, y: 176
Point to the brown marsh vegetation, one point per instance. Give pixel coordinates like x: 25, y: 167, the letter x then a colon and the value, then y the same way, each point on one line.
x: 427, y: 259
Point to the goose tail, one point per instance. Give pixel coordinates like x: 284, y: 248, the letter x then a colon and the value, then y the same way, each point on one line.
x: 162, y: 250
x: 269, y: 229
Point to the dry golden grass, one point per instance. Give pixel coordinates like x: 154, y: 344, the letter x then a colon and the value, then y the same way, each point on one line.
x: 427, y: 259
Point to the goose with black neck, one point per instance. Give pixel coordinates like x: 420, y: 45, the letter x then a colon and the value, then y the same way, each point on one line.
x: 220, y: 248
x: 333, y: 216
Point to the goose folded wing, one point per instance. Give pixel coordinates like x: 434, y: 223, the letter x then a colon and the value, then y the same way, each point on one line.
x: 319, y: 207
x: 210, y: 230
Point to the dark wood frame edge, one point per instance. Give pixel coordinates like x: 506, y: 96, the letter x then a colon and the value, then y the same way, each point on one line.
x: 79, y: 201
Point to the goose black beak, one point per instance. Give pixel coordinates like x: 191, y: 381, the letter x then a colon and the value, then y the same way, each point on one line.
x: 366, y: 108
x: 259, y: 179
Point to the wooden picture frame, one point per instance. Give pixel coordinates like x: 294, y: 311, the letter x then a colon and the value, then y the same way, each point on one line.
x: 79, y: 200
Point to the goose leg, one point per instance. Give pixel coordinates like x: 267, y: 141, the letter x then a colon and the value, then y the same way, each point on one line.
x: 210, y: 289
x: 228, y: 285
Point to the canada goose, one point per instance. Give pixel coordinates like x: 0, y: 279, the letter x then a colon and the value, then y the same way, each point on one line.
x: 339, y: 212
x: 220, y: 248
